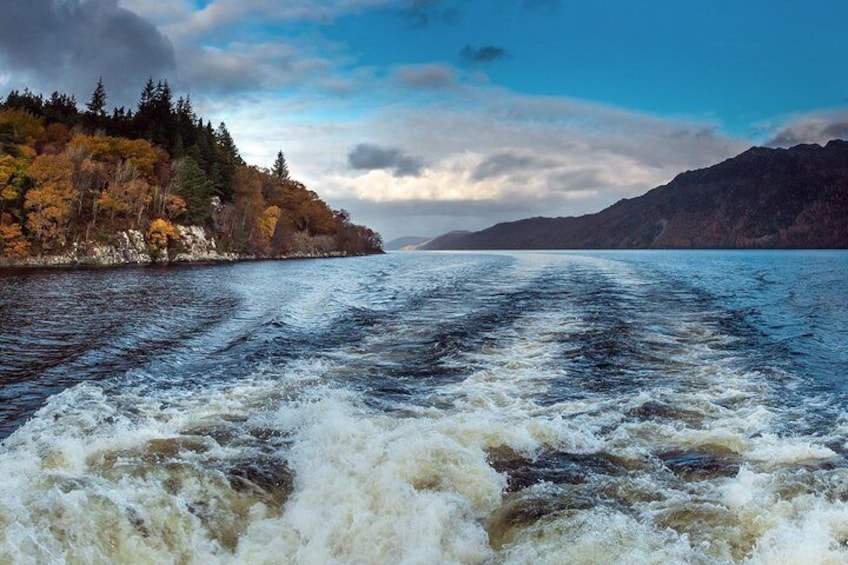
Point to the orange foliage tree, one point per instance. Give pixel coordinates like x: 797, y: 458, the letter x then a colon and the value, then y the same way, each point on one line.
x: 174, y: 206
x: 160, y: 236
x: 127, y: 195
x: 13, y: 244
x: 50, y: 203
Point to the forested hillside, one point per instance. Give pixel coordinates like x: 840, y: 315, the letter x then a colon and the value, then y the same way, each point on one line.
x: 77, y: 177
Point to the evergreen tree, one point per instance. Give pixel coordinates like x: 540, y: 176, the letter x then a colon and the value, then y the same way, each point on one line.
x: 61, y: 108
x: 185, y: 121
x: 225, y: 163
x: 32, y: 103
x: 191, y: 184
x: 97, y: 105
x: 147, y: 96
x: 281, y: 168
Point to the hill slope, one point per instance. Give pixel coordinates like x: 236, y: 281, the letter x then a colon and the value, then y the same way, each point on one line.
x: 763, y: 198
x: 406, y: 241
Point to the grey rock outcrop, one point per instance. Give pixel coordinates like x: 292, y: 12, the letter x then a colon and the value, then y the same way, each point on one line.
x: 129, y: 247
x: 197, y: 244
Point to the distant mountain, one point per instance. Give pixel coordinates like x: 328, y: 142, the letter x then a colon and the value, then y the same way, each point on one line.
x: 406, y: 241
x: 763, y: 198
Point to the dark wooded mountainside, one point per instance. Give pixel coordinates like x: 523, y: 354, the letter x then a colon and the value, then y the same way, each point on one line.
x: 76, y: 178
x: 763, y: 198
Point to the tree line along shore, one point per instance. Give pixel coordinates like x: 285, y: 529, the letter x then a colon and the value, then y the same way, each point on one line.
x: 75, y: 180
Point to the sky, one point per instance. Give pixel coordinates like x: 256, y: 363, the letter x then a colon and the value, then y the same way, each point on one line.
x: 425, y: 116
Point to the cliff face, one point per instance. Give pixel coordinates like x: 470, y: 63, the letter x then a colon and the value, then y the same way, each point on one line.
x: 131, y: 247
x: 763, y: 198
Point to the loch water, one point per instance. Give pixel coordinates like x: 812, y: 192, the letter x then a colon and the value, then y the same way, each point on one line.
x: 486, y: 407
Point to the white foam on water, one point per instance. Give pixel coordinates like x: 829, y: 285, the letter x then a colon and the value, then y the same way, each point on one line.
x: 599, y: 537
x: 372, y: 489
x: 176, y: 476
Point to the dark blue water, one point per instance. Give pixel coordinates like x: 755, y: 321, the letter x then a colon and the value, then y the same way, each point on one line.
x: 429, y: 407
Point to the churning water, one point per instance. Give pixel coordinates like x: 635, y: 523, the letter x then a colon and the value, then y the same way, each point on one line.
x: 536, y: 407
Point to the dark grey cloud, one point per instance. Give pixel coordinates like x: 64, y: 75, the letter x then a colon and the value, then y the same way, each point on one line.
x: 812, y: 130
x: 366, y: 156
x: 590, y: 178
x: 482, y: 55
x: 506, y: 163
x: 68, y: 44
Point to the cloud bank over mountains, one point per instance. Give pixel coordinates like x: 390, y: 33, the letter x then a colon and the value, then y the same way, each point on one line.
x: 408, y: 143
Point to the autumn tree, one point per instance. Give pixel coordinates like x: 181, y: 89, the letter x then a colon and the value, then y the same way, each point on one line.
x: 13, y: 244
x: 174, y: 207
x: 91, y: 177
x: 56, y: 137
x: 161, y: 236
x: 128, y: 195
x: 267, y: 226
x: 115, y: 150
x: 248, y: 202
x: 19, y: 127
x: 13, y: 183
x: 50, y: 202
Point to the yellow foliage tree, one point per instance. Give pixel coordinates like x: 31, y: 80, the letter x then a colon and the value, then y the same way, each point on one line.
x: 267, y: 225
x: 267, y: 222
x: 26, y: 129
x: 160, y: 236
x: 50, y: 202
x: 135, y: 152
x: 12, y: 174
x: 13, y: 244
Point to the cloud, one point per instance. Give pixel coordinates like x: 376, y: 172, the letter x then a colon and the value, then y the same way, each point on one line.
x: 372, y: 157
x: 817, y: 128
x: 491, y: 155
x: 426, y: 76
x: 486, y: 54
x: 238, y: 67
x: 70, y: 43
x: 184, y: 21
x: 506, y: 162
x: 421, y: 13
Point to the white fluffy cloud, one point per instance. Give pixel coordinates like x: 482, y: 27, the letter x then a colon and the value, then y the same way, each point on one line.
x: 485, y: 155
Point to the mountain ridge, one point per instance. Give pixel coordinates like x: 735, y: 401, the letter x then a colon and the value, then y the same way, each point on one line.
x: 762, y: 198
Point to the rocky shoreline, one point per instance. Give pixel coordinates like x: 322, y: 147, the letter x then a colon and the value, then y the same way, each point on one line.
x: 130, y: 247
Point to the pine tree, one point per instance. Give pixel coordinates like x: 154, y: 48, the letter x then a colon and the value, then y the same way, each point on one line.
x: 147, y: 95
x: 225, y: 163
x: 97, y: 105
x: 281, y: 168
x: 191, y: 183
